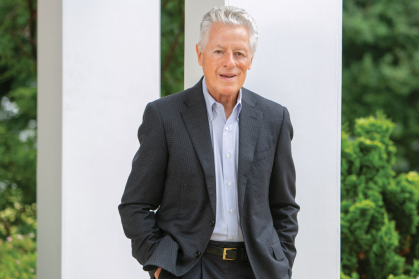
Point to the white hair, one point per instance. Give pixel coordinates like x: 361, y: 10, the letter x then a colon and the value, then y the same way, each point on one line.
x: 229, y: 15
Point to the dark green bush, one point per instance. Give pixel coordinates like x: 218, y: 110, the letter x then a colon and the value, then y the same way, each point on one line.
x: 379, y: 210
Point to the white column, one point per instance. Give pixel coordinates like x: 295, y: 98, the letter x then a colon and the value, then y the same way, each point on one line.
x: 298, y: 64
x: 99, y: 65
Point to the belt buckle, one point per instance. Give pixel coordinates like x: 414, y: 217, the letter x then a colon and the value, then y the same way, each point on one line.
x: 225, y: 254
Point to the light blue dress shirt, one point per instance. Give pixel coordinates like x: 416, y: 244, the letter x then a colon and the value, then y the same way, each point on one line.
x: 225, y: 143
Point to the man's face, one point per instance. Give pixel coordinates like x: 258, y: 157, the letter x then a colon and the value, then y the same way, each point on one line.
x: 226, y: 58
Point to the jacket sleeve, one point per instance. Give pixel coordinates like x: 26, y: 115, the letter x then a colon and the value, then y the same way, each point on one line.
x: 282, y: 191
x: 144, y: 188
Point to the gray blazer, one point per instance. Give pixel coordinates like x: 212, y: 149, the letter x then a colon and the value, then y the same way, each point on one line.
x: 173, y: 171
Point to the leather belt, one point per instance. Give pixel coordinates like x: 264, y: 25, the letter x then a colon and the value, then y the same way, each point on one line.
x: 228, y: 254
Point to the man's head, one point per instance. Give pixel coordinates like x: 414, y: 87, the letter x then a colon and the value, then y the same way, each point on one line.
x: 227, y: 43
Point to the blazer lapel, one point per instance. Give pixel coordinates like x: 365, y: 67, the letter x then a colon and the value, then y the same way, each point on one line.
x: 250, y: 121
x: 196, y: 122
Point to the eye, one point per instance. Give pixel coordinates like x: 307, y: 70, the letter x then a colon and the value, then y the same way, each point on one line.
x: 239, y: 54
x: 218, y: 51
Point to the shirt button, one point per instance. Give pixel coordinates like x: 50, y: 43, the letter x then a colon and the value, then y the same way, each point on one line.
x: 211, y: 117
x: 231, y: 210
x: 197, y: 254
x: 232, y: 237
x: 228, y: 155
x: 229, y: 183
x: 212, y: 223
x: 226, y: 128
x: 218, y: 105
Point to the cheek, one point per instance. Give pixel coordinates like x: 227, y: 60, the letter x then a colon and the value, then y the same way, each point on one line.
x: 215, y: 65
x: 243, y: 68
x: 208, y: 68
x: 244, y: 64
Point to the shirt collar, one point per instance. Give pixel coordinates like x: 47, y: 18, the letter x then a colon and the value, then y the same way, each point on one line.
x: 210, y: 101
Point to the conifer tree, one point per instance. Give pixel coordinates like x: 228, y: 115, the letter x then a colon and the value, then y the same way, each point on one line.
x: 379, y: 210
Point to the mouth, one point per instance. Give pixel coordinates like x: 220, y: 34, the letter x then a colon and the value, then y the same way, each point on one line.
x: 228, y: 76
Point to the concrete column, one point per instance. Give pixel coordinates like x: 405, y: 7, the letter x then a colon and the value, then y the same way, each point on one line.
x: 99, y: 65
x: 298, y: 64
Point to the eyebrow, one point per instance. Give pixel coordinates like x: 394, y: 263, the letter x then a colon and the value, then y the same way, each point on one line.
x: 239, y: 48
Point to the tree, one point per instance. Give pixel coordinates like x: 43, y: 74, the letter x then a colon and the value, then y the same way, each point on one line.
x: 172, y: 46
x: 381, y: 68
x: 17, y: 116
x: 379, y: 210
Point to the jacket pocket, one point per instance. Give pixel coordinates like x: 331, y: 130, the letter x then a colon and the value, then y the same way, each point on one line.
x: 278, y: 252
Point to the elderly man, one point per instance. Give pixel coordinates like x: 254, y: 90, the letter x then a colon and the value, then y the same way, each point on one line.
x: 212, y: 189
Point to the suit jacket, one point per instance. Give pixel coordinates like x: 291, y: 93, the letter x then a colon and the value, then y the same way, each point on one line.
x: 173, y: 171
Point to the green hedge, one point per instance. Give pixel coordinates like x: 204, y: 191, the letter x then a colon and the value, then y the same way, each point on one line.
x: 379, y: 210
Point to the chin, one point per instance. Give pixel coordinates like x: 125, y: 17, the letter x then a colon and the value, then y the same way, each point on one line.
x: 228, y: 90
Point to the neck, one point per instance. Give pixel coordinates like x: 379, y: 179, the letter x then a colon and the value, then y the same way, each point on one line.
x: 228, y: 101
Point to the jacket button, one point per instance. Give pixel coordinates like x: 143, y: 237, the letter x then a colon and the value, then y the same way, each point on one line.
x: 212, y: 223
x: 197, y: 254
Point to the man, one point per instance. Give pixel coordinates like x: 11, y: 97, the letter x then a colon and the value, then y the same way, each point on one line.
x: 215, y: 162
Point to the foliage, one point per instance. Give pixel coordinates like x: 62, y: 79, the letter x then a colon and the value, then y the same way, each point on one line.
x: 17, y: 41
x: 18, y: 257
x: 17, y: 117
x: 172, y: 46
x: 381, y: 67
x: 16, y: 217
x: 379, y: 210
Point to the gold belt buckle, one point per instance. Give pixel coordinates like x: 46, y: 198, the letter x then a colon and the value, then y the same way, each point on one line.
x: 225, y: 254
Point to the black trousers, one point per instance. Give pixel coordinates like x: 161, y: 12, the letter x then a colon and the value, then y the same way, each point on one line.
x: 213, y: 267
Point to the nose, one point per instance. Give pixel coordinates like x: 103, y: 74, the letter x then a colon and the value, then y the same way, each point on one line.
x: 229, y: 60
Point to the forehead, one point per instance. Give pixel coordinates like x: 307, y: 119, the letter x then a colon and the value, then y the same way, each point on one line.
x: 223, y: 34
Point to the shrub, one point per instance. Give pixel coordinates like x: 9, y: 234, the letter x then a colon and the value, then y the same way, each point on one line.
x: 379, y: 210
x: 18, y: 257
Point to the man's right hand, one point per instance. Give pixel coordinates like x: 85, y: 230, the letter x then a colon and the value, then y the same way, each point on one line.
x: 157, y: 273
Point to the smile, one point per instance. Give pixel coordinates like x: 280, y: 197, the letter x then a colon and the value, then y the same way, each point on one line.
x: 228, y: 76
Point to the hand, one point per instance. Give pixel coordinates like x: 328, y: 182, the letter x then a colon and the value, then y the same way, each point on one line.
x: 157, y: 273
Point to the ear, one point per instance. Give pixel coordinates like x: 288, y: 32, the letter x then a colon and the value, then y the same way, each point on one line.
x: 250, y: 65
x: 199, y: 54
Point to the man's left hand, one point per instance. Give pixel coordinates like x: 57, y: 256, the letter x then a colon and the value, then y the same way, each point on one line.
x: 157, y: 273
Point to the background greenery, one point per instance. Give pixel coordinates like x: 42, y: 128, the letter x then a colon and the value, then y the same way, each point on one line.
x: 381, y: 68
x: 172, y: 46
x: 379, y: 209
x: 17, y: 138
x: 380, y: 188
